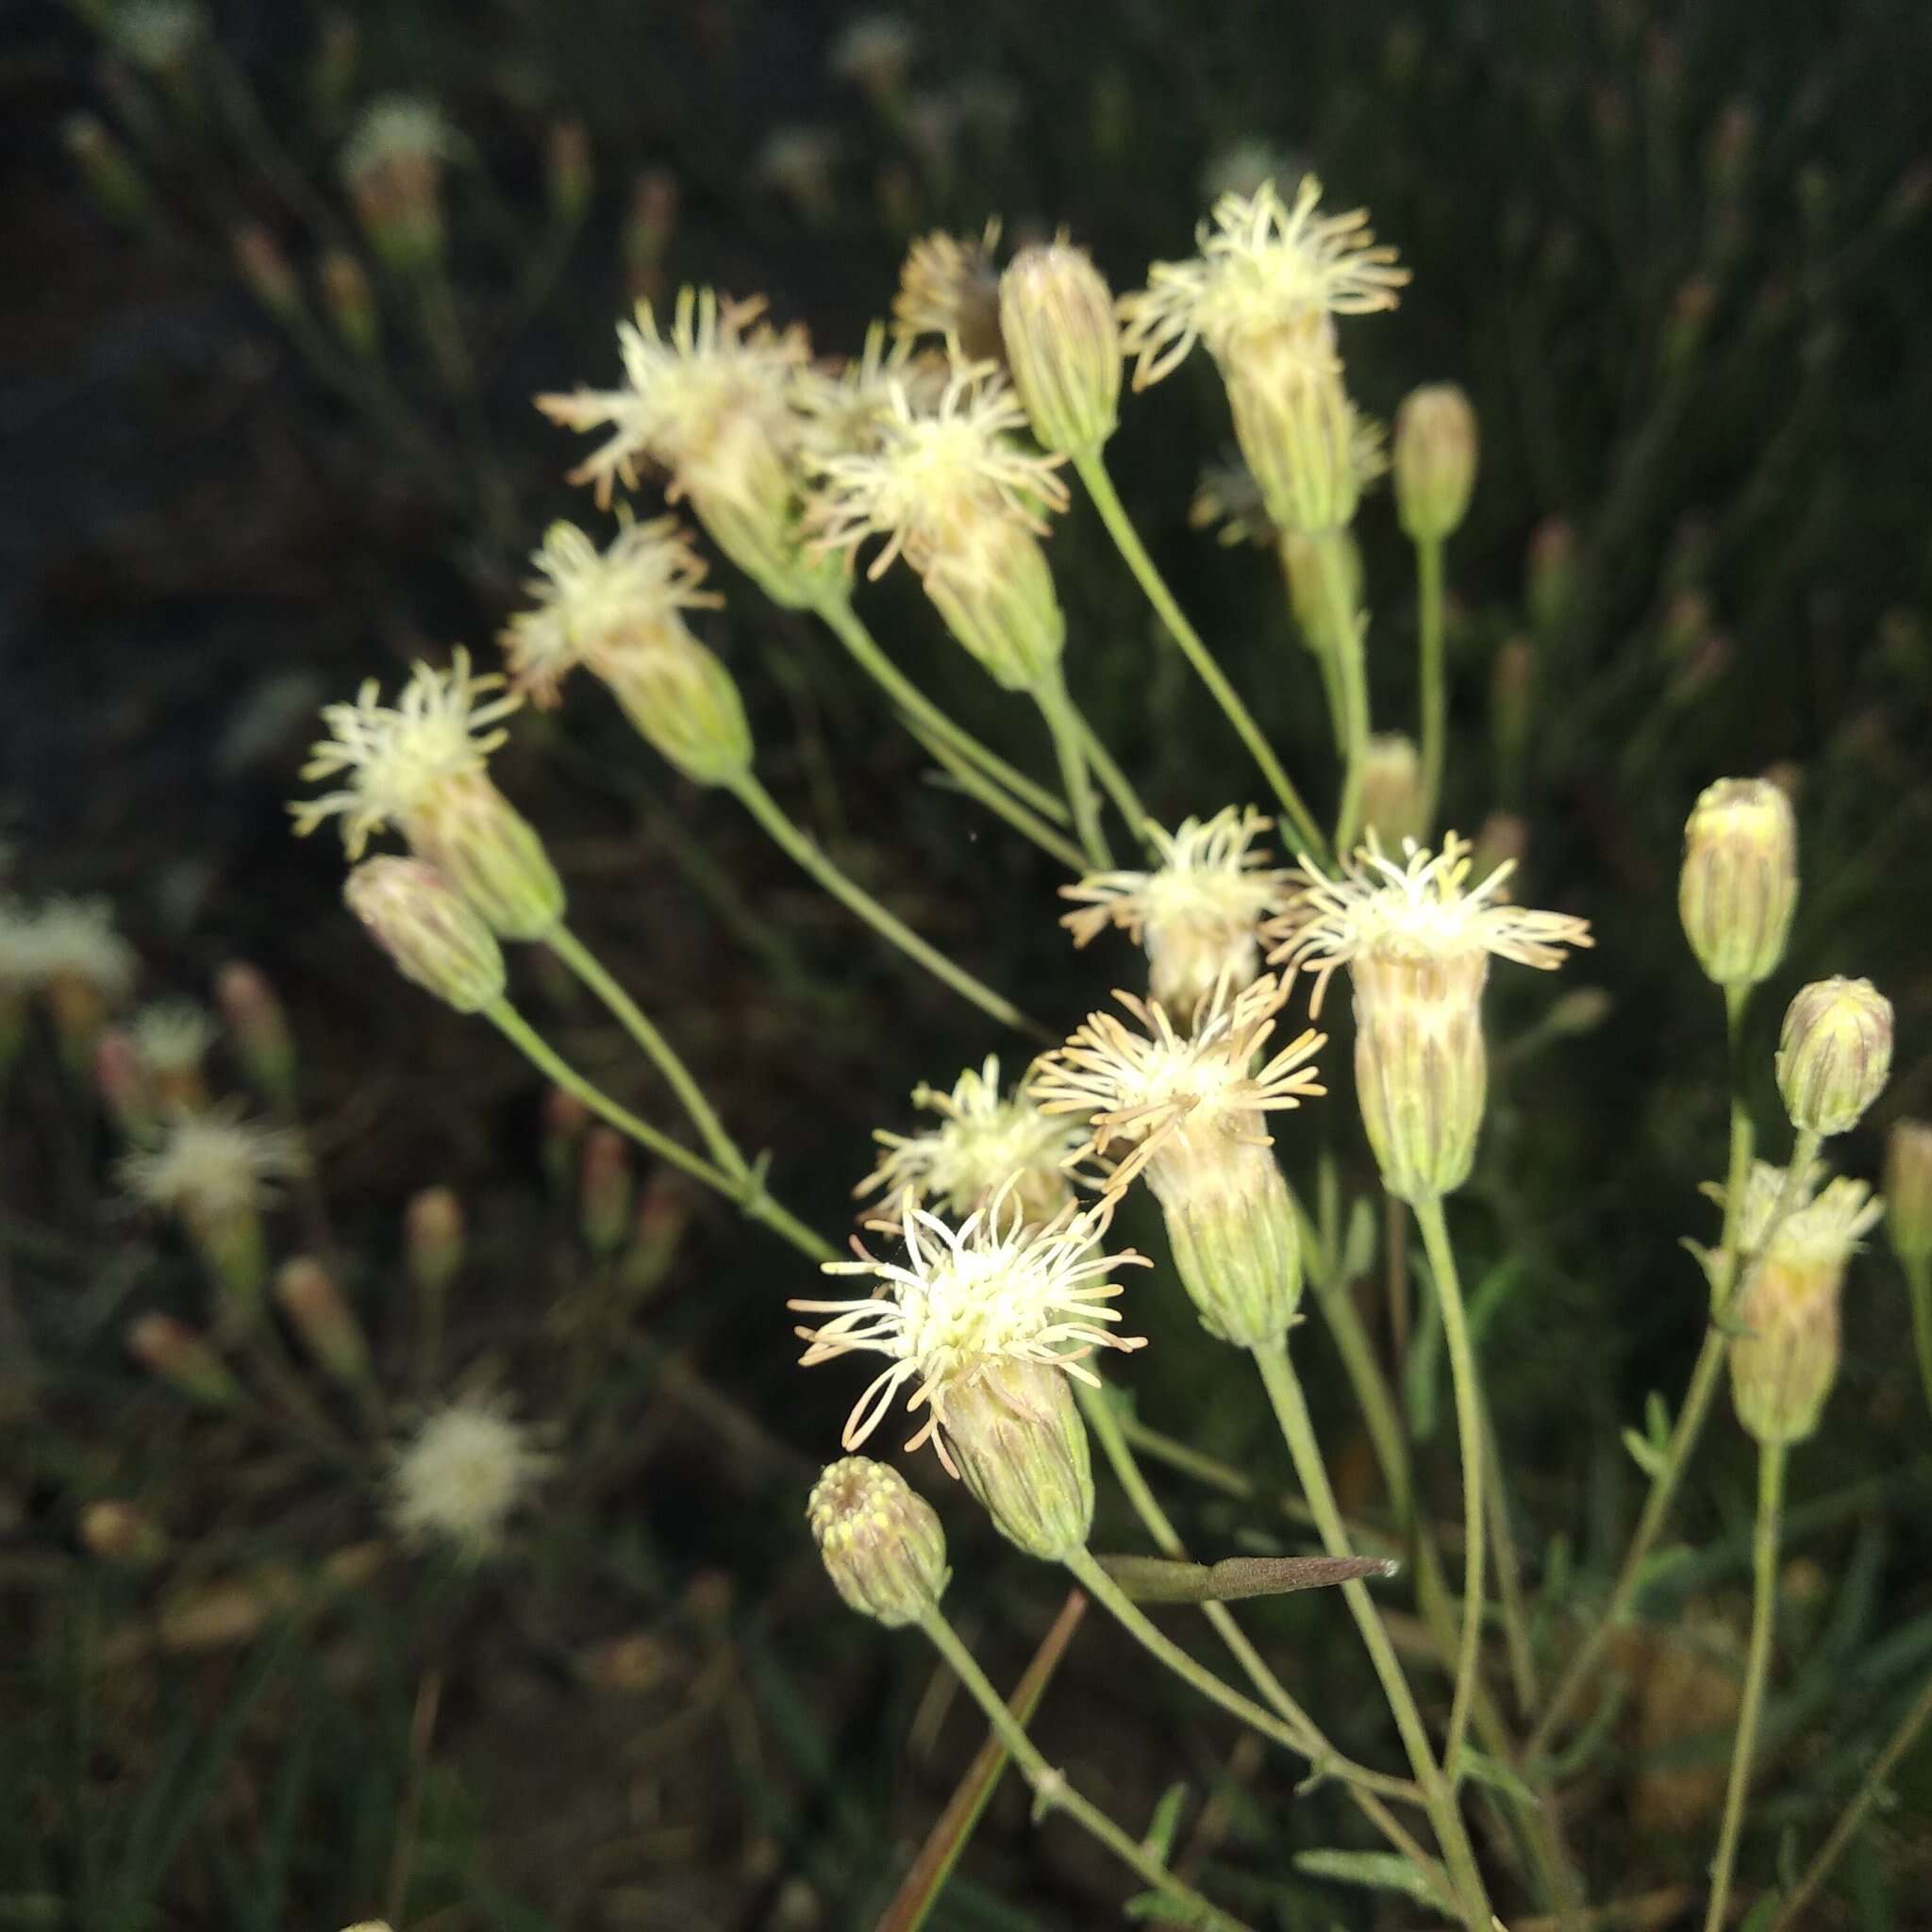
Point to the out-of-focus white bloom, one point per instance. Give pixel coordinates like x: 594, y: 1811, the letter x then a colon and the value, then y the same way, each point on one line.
x: 873, y: 51
x: 213, y: 1166
x: 63, y: 940
x: 172, y: 1037
x: 461, y: 1476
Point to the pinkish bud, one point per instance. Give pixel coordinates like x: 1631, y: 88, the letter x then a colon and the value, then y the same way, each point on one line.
x: 569, y: 171
x: 604, y: 1197
x: 433, y: 1238
x: 174, y: 1354
x: 318, y: 1311
x: 266, y: 270
x: 123, y: 1085
x: 260, y: 1029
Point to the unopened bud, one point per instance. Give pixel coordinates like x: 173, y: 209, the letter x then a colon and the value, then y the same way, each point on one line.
x: 174, y: 1354
x: 490, y: 854
x: 648, y: 232
x: 685, y: 705
x: 1435, y: 460
x: 568, y: 169
x: 432, y: 934
x: 1834, y: 1054
x: 743, y: 489
x: 121, y: 1534
x: 351, y: 302
x: 1020, y: 1446
x: 1392, y: 789
x: 1552, y: 575
x: 260, y: 1026
x: 1740, y: 883
x: 316, y: 1308
x: 1236, y: 1245
x: 603, y: 1198
x: 266, y: 271
x: 1512, y: 703
x: 1063, y: 345
x: 433, y: 1240
x: 657, y: 1231
x: 1297, y: 429
x: 1909, y: 1189
x: 993, y: 587
x: 565, y: 1121
x: 881, y: 1541
x: 123, y: 1083
x: 338, y: 48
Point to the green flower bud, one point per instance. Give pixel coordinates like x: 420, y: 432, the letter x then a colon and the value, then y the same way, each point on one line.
x: 993, y: 584
x: 1019, y: 1442
x: 1063, y: 345
x: 1909, y: 1189
x: 1392, y: 789
x: 882, y: 1543
x: 1834, y: 1054
x: 490, y: 854
x: 434, y: 936
x: 1298, y: 431
x: 1739, y: 887
x: 1237, y: 1248
x: 685, y: 703
x: 1435, y: 460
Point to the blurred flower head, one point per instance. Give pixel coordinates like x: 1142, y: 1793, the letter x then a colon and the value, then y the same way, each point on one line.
x: 460, y: 1477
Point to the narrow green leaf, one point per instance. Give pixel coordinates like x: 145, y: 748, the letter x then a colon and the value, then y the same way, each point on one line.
x: 1656, y: 1420
x: 1644, y: 1453
x: 1169, y: 1912
x: 1761, y: 1914
x: 1166, y: 1822
x: 1497, y: 1775
x: 1378, y: 1871
x: 1166, y: 1580
x: 1358, y: 1244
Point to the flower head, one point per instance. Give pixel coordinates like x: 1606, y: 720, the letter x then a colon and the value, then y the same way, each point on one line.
x: 1739, y: 885
x: 398, y: 129
x: 985, y: 1142
x: 844, y: 406
x: 1418, y: 910
x: 1199, y: 911
x: 213, y: 1166
x: 60, y: 940
x: 989, y: 1294
x: 949, y: 287
x: 881, y: 1541
x: 1821, y: 1229
x: 172, y: 1037
x: 397, y: 757
x: 595, y: 606
x: 1266, y: 270
x: 935, y: 474
x: 461, y: 1476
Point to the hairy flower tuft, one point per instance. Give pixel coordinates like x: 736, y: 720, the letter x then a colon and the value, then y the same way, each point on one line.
x: 987, y: 1294
x: 461, y: 1476
x: 63, y: 940
x: 172, y: 1037
x: 212, y: 1165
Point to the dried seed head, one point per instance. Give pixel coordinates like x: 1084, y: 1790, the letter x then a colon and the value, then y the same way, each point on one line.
x: 1834, y: 1054
x: 432, y: 932
x: 1435, y: 460
x: 1739, y: 887
x: 881, y: 1541
x: 1063, y: 345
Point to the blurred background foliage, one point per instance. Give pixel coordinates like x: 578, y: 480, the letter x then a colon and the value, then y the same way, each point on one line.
x: 1678, y: 256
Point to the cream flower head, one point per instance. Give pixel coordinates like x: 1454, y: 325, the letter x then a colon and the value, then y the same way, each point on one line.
x: 1199, y: 913
x: 990, y: 1295
x: 443, y: 725
x: 985, y: 1142
x: 844, y: 407
x: 213, y: 1166
x: 1419, y: 912
x: 64, y: 940
x: 1182, y: 1101
x: 950, y: 287
x: 593, y: 606
x: 461, y: 1476
x: 1265, y: 269
x: 1822, y: 1228
x: 937, y: 474
x: 688, y: 392
x: 172, y: 1037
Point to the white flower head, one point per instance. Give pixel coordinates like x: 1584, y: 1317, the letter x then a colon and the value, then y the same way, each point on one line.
x: 1199, y: 913
x: 461, y: 1476
x: 989, y: 1294
x: 717, y: 375
x: 172, y: 1037
x: 1266, y: 270
x: 984, y: 1142
x: 1415, y: 911
x: 937, y: 473
x: 845, y: 405
x: 1186, y: 1103
x: 1820, y: 1231
x: 64, y: 940
x: 595, y: 606
x: 213, y: 1166
x: 399, y: 131
x: 443, y: 725
x: 949, y: 287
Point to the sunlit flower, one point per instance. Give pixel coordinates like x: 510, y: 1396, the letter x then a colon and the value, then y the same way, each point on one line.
x: 461, y: 1477
x: 1199, y: 913
x: 1265, y: 268
x: 213, y: 1166
x: 595, y: 606
x: 991, y: 1294
x: 985, y: 1141
x: 949, y: 287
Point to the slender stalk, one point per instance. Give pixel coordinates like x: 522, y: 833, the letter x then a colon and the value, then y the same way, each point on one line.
x: 1347, y: 626
x: 1842, y: 1833
x: 1469, y: 1429
x: 846, y: 625
x: 1764, y: 1541
x: 1093, y: 472
x: 1919, y: 1284
x: 804, y: 852
x: 748, y: 1191
x: 1115, y: 781
x: 581, y: 961
x: 1002, y: 804
x: 1435, y: 691
x: 1051, y: 1792
x: 1069, y: 748
x: 1298, y: 1430
x: 1324, y: 658
x: 1509, y: 1596
x: 1323, y: 1756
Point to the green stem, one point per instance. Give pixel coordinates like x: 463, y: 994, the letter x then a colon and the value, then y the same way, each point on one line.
x: 748, y: 1192
x: 1902, y: 1739
x: 846, y: 625
x: 1469, y: 1429
x: 804, y: 852
x: 1435, y: 694
x: 1062, y: 721
x: 1919, y: 1284
x: 1298, y: 1430
x: 1321, y: 1755
x: 1510, y: 1597
x: 1050, y: 1790
x: 1093, y: 472
x: 1002, y: 804
x: 1764, y: 1541
x: 1347, y: 626
x: 1127, y: 800
x: 581, y: 961
x: 1324, y: 658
